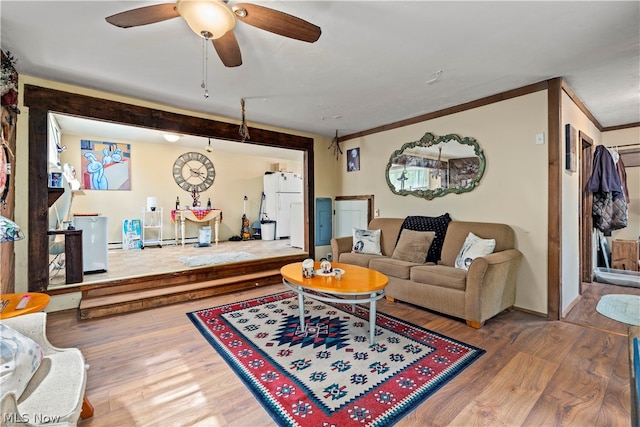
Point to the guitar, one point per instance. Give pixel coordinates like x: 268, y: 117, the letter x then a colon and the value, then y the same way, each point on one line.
x: 246, y: 235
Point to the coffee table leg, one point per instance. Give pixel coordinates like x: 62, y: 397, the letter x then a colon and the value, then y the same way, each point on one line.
x: 372, y: 319
x: 301, y: 304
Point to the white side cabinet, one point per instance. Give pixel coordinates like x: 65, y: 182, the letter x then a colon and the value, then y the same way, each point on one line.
x: 151, y: 227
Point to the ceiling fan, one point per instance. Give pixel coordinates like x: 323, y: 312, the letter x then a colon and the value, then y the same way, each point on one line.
x: 214, y: 20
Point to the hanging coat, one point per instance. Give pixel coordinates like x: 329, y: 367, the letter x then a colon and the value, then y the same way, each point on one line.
x: 609, y: 204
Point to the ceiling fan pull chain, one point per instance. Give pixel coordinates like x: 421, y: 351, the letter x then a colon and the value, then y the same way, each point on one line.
x: 205, y: 77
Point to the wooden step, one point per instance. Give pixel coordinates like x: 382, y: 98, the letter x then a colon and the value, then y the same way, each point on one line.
x: 140, y: 293
x: 106, y: 305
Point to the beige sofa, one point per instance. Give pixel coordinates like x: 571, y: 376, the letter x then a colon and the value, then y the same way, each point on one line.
x: 486, y: 289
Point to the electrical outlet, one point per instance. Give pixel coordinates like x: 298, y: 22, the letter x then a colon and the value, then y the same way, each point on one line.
x: 376, y: 213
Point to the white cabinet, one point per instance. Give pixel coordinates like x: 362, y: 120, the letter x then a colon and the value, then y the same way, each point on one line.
x: 297, y: 225
x: 151, y: 227
x: 95, y: 251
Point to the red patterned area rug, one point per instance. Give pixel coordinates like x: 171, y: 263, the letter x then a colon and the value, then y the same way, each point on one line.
x: 330, y: 375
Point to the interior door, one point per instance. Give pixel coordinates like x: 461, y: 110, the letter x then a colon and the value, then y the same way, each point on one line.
x: 351, y: 214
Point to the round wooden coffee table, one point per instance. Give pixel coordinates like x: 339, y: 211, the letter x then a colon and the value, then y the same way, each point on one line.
x: 355, y: 282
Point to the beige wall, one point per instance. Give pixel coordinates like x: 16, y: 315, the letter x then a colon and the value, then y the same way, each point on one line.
x: 512, y: 191
x: 223, y: 191
x: 326, y: 178
x: 237, y: 175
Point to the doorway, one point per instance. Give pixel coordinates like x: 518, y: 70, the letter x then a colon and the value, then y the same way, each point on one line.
x: 586, y: 205
x: 352, y: 212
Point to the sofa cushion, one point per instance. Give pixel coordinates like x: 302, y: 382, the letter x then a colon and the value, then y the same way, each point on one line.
x: 413, y: 245
x: 393, y: 267
x: 437, y: 224
x: 440, y: 275
x: 20, y: 357
x: 357, y: 259
x: 390, y: 230
x: 366, y: 242
x: 473, y: 248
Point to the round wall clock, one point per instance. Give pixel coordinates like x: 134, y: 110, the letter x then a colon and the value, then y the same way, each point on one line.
x: 193, y: 170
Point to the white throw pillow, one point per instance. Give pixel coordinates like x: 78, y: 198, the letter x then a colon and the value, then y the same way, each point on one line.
x: 366, y: 242
x: 473, y: 248
x: 20, y: 357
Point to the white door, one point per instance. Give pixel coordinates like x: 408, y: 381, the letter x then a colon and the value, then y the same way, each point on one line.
x: 297, y: 225
x: 350, y: 214
x: 283, y: 218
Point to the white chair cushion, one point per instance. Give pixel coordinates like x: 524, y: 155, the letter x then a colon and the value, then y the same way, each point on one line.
x: 20, y: 357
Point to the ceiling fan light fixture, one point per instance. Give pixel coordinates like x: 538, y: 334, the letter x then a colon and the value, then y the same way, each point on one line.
x: 210, y: 19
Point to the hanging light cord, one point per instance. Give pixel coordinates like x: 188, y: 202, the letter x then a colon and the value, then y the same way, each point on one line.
x: 205, y: 75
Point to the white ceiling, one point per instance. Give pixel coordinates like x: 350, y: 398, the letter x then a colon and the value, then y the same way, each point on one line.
x: 377, y: 62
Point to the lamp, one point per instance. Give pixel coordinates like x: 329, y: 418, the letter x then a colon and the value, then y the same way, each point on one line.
x: 9, y: 230
x: 210, y: 19
x: 171, y: 137
x: 208, y: 148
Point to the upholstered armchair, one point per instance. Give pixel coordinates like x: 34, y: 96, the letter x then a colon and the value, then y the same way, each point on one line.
x: 49, y: 388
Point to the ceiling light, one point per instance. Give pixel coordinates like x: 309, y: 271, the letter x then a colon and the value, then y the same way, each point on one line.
x: 171, y: 137
x: 210, y: 19
x: 208, y: 148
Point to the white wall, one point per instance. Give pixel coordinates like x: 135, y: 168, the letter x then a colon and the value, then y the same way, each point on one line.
x: 512, y: 191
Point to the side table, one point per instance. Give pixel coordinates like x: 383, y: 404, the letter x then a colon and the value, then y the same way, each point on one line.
x: 8, y: 304
x: 72, y: 254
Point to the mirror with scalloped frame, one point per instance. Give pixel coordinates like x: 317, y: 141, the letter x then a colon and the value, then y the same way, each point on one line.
x: 435, y: 166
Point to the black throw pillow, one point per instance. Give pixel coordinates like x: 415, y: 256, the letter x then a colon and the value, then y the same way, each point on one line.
x: 438, y: 224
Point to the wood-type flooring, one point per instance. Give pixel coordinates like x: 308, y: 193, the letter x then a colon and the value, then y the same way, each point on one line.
x: 153, y: 368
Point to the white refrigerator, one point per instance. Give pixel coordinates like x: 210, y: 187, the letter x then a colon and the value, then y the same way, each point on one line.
x: 281, y: 190
x: 95, y: 247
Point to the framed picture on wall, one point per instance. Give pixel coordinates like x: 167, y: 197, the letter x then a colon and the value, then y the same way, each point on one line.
x: 571, y: 139
x: 353, y: 159
x: 105, y: 165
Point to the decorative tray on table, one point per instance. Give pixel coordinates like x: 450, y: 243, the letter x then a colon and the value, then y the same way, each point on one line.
x: 331, y: 273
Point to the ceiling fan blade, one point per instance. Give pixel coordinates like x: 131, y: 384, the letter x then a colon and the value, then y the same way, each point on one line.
x: 277, y: 22
x: 228, y: 49
x: 144, y: 15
